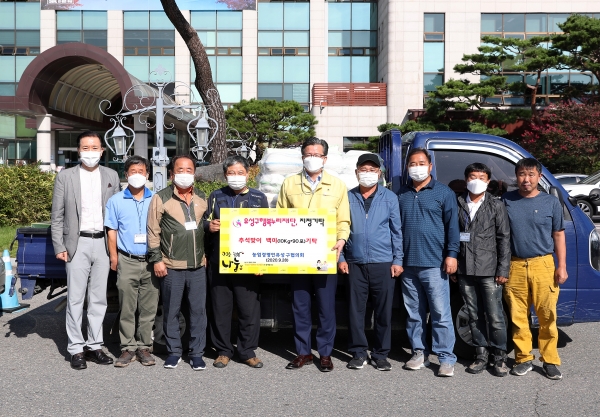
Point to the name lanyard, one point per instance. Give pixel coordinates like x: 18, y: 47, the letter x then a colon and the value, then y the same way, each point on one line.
x: 140, y: 211
x: 467, y: 218
x: 191, y: 224
x: 234, y: 200
x: 188, y: 208
x: 139, y: 238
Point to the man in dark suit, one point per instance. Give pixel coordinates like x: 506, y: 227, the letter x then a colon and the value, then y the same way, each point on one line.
x: 80, y: 196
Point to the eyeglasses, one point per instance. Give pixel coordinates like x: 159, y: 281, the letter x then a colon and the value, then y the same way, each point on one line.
x: 312, y: 155
x: 364, y: 171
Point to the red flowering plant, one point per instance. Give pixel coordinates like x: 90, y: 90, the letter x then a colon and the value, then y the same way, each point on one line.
x: 566, y: 138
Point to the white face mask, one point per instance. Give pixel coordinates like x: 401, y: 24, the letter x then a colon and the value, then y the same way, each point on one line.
x: 418, y: 173
x: 477, y: 186
x: 313, y: 164
x: 184, y: 180
x: 236, y: 182
x: 136, y: 180
x: 90, y: 158
x: 368, y: 179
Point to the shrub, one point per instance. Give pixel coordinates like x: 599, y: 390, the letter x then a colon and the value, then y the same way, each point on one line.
x: 565, y: 138
x: 25, y: 195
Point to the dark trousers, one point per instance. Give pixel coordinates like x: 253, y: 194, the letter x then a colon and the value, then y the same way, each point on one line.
x: 374, y: 279
x: 190, y: 283
x: 323, y: 287
x: 483, y: 298
x: 244, y: 288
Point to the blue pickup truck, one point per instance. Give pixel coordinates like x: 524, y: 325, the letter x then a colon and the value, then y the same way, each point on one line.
x: 451, y: 152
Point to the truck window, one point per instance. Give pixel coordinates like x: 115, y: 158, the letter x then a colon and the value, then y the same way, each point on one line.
x: 450, y: 169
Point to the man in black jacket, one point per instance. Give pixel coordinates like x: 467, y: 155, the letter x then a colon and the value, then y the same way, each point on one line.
x: 225, y: 288
x: 483, y: 265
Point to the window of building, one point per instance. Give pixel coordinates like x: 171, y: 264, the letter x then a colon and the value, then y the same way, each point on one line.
x: 12, y: 70
x: 81, y: 26
x: 352, y: 42
x: 221, y: 34
x: 227, y: 76
x: 524, y: 26
x: 149, y: 42
x: 21, y: 151
x: 19, y: 29
x: 433, y: 52
x: 283, y: 51
x: 148, y: 33
x: 350, y: 142
x: 219, y: 31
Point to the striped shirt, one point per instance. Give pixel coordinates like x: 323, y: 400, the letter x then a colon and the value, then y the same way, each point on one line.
x: 429, y: 224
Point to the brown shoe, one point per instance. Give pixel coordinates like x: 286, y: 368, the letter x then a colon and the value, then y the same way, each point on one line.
x: 254, y: 363
x: 221, y: 362
x: 326, y: 364
x: 125, y: 359
x: 300, y: 361
x: 145, y: 357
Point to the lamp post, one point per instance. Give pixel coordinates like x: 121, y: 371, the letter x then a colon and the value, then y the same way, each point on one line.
x: 147, y: 101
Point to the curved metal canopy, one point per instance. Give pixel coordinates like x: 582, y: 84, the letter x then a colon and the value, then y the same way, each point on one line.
x: 80, y: 90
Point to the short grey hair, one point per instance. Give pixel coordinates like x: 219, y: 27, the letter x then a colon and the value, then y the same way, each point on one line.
x: 315, y: 141
x: 236, y: 159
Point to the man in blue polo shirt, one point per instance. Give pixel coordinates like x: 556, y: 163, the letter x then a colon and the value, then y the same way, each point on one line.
x: 126, y: 216
x: 431, y: 242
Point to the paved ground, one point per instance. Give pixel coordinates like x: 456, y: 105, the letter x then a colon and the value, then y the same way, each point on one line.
x: 36, y: 380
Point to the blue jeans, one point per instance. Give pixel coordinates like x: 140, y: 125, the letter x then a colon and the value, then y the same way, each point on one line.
x: 483, y: 298
x: 422, y: 288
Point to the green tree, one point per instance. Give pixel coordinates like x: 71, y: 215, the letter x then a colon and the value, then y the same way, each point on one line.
x: 496, y: 57
x: 271, y: 123
x: 579, y: 49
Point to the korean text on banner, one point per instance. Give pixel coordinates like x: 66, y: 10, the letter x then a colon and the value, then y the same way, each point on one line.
x: 277, y: 241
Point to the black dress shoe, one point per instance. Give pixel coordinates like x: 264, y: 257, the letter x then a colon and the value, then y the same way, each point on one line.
x: 300, y: 361
x: 78, y: 361
x: 98, y: 356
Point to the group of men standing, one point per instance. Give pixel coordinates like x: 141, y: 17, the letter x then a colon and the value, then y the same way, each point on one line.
x: 423, y: 237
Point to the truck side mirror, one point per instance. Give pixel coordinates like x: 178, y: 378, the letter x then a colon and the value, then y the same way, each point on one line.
x: 572, y: 200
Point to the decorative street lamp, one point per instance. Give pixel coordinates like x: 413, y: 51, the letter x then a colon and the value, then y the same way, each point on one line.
x: 148, y: 101
x: 243, y: 151
x: 118, y: 138
x: 200, y: 133
x: 238, y: 143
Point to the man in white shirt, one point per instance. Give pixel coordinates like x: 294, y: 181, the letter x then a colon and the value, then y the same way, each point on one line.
x: 78, y: 202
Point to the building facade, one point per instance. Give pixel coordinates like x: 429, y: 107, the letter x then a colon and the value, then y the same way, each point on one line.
x: 353, y: 64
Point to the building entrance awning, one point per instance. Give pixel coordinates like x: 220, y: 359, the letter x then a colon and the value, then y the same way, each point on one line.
x: 70, y: 81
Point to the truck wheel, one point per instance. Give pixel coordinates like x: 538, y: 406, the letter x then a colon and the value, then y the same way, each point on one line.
x: 586, y: 207
x: 158, y: 334
x: 463, y: 347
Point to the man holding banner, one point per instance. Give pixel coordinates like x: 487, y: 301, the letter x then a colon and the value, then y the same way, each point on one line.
x: 315, y: 188
x: 225, y: 287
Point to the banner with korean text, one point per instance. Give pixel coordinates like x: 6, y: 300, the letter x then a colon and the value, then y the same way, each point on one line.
x: 278, y: 241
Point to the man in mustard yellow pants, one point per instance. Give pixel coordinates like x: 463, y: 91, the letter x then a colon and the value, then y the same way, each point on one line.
x: 536, y: 227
